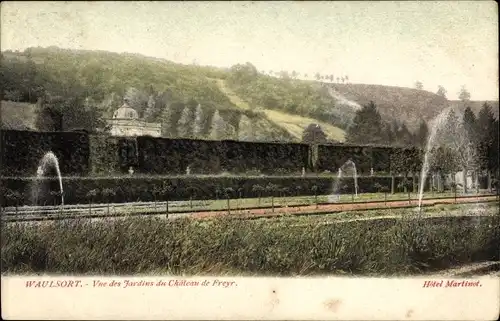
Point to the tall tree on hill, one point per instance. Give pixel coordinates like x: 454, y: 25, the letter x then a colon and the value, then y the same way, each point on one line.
x: 185, y: 127
x: 441, y: 91
x: 471, y: 131
x: 198, y: 122
x: 366, y: 126
x: 464, y: 95
x: 170, y: 119
x: 313, y: 134
x: 150, y: 109
x: 137, y: 99
x: 404, y: 136
x: 387, y: 134
x: 470, y: 123
x: 419, y: 85
x: 317, y: 76
x: 488, y: 138
x: 220, y: 128
x: 422, y: 134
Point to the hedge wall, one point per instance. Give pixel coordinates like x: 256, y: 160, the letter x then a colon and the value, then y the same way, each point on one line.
x: 22, y: 152
x: 169, y: 156
x: 131, y: 189
x: 406, y: 160
x: 332, y: 157
x: 104, y: 155
x: 381, y: 159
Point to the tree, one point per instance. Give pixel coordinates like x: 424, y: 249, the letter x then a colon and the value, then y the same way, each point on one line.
x: 419, y: 85
x: 405, y: 185
x: 470, y: 123
x: 422, y: 134
x: 403, y: 136
x: 246, y: 129
x: 258, y: 189
x: 313, y: 134
x: 488, y: 140
x: 220, y: 129
x: 366, y: 126
x: 271, y: 189
x: 387, y: 134
x: 150, y: 111
x: 137, y: 100
x: 464, y: 95
x: 198, y: 122
x: 243, y: 73
x: 185, y: 127
x: 441, y: 91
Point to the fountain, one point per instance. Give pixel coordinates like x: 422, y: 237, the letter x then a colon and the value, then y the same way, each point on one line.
x: 50, y: 159
x: 454, y: 137
x: 335, y: 196
x: 355, y: 174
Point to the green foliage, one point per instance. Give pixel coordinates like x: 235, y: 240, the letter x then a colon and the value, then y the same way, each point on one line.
x: 285, y: 94
x: 422, y: 135
x: 313, y: 134
x: 366, y: 127
x: 488, y: 137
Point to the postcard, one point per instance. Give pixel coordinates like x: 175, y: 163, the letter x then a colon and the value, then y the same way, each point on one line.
x: 281, y: 160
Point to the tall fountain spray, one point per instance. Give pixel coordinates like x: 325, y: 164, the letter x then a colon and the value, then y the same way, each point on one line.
x: 351, y: 164
x: 50, y: 159
x: 435, y: 124
x: 452, y: 136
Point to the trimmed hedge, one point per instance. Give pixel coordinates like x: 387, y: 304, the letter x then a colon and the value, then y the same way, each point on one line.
x: 22, y: 152
x: 131, y: 189
x: 81, y: 154
x: 332, y: 157
x: 104, y: 155
x: 173, y: 156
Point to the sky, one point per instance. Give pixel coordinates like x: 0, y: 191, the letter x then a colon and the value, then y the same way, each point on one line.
x: 448, y: 43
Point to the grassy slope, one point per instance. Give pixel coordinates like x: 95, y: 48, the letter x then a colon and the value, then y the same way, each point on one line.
x: 403, y: 103
x: 293, y: 124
